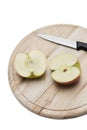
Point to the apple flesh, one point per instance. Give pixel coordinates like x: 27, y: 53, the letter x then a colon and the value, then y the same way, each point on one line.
x: 31, y: 65
x: 65, y: 69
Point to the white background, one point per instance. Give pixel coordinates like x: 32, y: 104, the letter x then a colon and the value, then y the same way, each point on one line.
x: 17, y: 19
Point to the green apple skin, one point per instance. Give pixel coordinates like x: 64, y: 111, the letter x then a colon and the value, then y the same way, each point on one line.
x: 32, y: 76
x: 77, y: 65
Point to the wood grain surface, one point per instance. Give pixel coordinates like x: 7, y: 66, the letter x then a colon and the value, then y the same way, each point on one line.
x: 43, y: 96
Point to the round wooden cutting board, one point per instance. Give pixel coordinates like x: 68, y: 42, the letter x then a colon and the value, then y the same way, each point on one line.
x: 43, y: 96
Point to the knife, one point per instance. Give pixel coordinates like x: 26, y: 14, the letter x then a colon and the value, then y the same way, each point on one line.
x: 78, y: 45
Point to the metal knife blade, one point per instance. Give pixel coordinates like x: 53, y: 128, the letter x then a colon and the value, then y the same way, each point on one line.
x: 58, y: 40
x: 78, y: 45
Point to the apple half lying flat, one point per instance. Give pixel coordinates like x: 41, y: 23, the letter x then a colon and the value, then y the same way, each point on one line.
x: 65, y: 69
x: 30, y: 65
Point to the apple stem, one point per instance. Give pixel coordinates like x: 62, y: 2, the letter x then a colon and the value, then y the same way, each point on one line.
x: 31, y: 73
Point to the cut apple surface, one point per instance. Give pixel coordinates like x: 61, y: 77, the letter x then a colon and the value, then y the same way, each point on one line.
x: 30, y: 65
x: 63, y: 59
x: 65, y: 69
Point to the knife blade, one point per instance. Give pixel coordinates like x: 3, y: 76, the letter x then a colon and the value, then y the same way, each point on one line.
x: 78, y: 45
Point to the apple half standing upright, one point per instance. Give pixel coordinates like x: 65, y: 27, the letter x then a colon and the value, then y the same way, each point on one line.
x: 31, y: 65
x: 65, y: 69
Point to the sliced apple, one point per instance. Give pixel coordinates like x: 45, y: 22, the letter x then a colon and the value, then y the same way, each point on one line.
x: 31, y: 65
x: 65, y: 69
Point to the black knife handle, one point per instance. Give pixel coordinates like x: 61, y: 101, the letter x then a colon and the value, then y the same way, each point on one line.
x: 81, y: 46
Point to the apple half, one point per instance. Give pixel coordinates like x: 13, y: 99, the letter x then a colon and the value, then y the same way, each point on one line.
x: 31, y: 65
x: 65, y: 69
